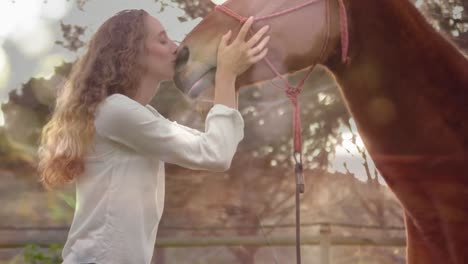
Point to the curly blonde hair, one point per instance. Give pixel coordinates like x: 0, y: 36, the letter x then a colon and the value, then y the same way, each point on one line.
x: 110, y: 65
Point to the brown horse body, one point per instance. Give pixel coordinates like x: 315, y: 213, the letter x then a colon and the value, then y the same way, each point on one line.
x: 407, y: 89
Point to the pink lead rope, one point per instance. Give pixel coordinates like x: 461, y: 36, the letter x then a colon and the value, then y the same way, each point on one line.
x: 293, y: 92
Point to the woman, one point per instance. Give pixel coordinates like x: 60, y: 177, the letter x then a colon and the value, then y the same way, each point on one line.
x: 105, y: 136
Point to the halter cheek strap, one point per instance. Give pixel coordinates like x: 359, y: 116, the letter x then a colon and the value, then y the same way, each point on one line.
x: 344, y: 33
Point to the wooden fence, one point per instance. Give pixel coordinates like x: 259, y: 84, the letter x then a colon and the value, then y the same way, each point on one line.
x: 19, y: 237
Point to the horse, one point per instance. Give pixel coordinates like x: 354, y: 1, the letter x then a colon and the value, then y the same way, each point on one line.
x: 405, y: 85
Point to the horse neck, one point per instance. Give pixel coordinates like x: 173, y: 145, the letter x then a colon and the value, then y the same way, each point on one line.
x: 406, y: 86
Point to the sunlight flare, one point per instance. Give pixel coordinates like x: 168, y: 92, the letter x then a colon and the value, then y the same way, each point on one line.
x: 218, y: 2
x: 4, y: 69
x: 34, y: 41
x: 47, y: 65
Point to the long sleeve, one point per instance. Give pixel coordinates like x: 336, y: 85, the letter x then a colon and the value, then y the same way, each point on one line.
x: 129, y: 123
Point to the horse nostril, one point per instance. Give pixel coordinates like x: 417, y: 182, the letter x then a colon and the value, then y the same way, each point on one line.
x: 182, y: 56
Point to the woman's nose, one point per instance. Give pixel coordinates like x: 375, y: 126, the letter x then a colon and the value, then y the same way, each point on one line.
x: 183, y: 55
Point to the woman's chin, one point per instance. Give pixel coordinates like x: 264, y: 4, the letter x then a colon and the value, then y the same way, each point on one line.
x: 167, y: 77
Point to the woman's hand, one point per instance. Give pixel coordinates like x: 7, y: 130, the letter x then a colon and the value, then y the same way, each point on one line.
x: 238, y: 56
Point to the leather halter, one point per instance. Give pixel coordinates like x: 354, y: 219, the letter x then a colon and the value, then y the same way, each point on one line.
x: 293, y: 92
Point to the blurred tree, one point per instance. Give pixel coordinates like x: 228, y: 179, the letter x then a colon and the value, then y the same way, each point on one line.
x: 196, y: 8
x: 450, y: 17
x: 71, y: 35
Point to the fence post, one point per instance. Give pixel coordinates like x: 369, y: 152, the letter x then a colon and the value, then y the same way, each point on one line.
x: 325, y: 243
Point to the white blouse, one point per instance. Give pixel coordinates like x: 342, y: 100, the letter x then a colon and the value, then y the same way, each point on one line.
x: 120, y: 196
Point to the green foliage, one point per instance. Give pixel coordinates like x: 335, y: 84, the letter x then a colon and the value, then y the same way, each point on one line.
x: 61, y: 208
x: 68, y: 199
x: 33, y: 254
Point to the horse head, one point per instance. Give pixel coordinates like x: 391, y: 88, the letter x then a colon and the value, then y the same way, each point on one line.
x: 292, y: 47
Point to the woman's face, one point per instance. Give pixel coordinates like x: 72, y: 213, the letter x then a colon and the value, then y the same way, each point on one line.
x: 160, y: 51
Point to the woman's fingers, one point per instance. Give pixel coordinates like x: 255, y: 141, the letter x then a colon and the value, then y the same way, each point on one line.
x: 225, y: 39
x: 259, y: 56
x: 260, y: 46
x: 258, y: 35
x: 244, y: 29
x: 239, y: 55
